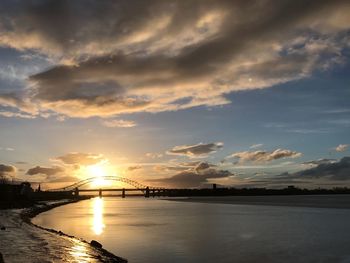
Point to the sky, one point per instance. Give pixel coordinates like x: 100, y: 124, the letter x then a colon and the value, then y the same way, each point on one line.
x: 176, y: 93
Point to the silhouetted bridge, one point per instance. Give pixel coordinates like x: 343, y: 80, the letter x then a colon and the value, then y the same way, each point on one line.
x: 137, y: 187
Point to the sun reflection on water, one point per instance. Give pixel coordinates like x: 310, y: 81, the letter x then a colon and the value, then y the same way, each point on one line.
x: 79, y: 253
x: 97, y: 221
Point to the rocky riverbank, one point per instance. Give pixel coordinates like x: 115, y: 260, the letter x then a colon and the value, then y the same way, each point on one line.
x: 22, y: 241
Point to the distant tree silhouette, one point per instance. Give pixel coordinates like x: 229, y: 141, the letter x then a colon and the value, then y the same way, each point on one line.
x: 3, y: 179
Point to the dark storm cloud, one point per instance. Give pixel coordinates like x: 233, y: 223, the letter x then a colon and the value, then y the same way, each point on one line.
x: 191, y: 174
x: 129, y: 56
x: 339, y: 170
x: 192, y: 178
x: 197, y: 150
x: 49, y: 171
x: 320, y: 161
x: 334, y: 171
x: 80, y: 158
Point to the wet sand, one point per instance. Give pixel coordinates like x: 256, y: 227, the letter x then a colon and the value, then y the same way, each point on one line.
x: 21, y: 241
x: 318, y: 201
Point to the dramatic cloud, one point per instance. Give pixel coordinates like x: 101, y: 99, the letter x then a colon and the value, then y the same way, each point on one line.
x: 190, y: 164
x: 193, y: 178
x: 339, y: 170
x: 10, y: 114
x: 6, y: 171
x: 203, y: 166
x: 264, y: 156
x: 81, y: 158
x: 190, y: 174
x: 48, y: 171
x: 197, y: 150
x: 170, y: 168
x: 118, y: 123
x: 114, y: 57
x: 341, y: 147
x: 195, y: 166
x: 320, y: 161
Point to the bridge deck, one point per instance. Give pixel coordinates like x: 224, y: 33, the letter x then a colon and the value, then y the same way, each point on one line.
x: 114, y: 190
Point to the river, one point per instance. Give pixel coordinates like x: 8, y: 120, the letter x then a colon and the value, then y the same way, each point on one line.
x: 153, y: 230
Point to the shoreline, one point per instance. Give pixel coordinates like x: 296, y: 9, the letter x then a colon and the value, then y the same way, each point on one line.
x: 28, y: 234
x: 312, y: 201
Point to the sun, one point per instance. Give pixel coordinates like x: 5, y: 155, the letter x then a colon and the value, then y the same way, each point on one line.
x: 98, y: 171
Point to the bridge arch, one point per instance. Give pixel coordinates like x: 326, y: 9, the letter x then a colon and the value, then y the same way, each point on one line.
x: 128, y: 181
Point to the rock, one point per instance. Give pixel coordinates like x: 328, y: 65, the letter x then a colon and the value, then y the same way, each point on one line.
x: 1, y: 259
x: 94, y: 243
x: 3, y: 228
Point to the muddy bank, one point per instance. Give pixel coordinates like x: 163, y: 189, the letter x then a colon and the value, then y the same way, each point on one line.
x: 22, y: 241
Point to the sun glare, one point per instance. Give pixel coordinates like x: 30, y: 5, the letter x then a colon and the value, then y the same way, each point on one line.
x: 98, y: 171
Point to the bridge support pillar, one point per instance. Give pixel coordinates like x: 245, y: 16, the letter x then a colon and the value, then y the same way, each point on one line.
x: 100, y: 193
x: 123, y: 193
x: 153, y: 193
x: 76, y: 192
x: 147, y: 192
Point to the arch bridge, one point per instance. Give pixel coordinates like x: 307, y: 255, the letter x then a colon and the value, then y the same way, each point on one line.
x: 146, y: 190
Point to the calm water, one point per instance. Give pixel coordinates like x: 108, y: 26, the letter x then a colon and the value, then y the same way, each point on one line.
x: 148, y: 230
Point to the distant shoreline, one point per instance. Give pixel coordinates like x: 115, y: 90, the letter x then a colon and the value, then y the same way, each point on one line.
x: 316, y: 201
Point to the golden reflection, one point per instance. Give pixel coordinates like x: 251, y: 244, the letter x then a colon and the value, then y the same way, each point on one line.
x: 79, y: 253
x: 97, y: 222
